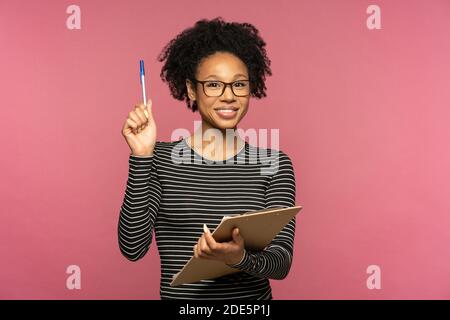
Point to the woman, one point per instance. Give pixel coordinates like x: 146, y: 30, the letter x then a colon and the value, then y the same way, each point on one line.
x: 215, y: 67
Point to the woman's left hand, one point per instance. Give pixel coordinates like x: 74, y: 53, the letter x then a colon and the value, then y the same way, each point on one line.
x: 230, y: 252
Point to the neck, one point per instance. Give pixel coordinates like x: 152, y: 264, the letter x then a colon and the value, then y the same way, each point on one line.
x: 215, y: 143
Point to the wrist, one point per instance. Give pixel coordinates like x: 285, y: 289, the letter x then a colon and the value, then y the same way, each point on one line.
x: 148, y: 153
x: 239, y: 259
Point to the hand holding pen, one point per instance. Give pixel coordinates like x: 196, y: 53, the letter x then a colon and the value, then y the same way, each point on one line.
x: 139, y: 128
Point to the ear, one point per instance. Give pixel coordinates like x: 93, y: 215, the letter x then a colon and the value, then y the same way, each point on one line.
x: 191, y: 90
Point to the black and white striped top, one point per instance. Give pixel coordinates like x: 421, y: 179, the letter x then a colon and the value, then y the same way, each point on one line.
x: 175, y: 191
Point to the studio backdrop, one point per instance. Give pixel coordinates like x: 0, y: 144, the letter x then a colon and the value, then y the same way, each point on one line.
x: 359, y: 95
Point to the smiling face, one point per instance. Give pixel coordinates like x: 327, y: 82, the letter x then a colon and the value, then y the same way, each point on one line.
x: 227, y: 110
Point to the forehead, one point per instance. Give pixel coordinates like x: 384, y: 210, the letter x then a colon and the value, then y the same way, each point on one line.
x: 224, y: 65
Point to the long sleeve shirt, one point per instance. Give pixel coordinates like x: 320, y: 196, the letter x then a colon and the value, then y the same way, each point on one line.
x: 175, y: 191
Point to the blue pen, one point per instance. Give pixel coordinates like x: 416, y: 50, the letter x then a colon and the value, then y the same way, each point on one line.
x: 142, y: 77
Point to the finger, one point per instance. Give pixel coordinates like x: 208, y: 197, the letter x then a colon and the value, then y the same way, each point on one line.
x: 149, y: 109
x: 140, y: 112
x: 139, y: 119
x: 195, y: 251
x: 133, y: 125
x: 212, y: 244
x: 204, y: 247
x: 197, y: 248
x: 128, y: 124
x: 237, y: 236
x: 142, y: 117
x: 133, y: 116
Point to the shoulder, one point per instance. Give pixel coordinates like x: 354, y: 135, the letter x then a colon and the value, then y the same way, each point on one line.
x: 274, y: 161
x: 270, y: 154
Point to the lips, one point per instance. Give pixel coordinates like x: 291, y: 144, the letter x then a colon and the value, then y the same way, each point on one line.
x: 227, y: 112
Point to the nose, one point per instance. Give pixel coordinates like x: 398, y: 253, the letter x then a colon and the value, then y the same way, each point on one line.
x: 228, y: 93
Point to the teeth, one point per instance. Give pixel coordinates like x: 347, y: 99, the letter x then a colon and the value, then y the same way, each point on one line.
x: 225, y: 110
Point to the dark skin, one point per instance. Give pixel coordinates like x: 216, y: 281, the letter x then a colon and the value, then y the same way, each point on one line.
x: 230, y: 252
x: 225, y: 67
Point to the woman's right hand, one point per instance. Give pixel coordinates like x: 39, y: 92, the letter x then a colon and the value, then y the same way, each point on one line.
x: 139, y: 130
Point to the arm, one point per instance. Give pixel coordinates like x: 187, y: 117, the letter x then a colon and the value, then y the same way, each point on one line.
x: 274, y: 262
x: 139, y: 208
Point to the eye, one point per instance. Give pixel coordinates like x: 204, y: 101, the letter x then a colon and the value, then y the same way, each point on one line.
x: 213, y: 84
x: 240, y: 84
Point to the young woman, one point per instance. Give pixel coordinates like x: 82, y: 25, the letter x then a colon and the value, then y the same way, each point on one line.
x: 215, y: 67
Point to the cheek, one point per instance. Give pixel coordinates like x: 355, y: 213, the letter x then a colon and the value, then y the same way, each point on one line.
x: 244, y: 106
x: 206, y: 102
x: 206, y: 106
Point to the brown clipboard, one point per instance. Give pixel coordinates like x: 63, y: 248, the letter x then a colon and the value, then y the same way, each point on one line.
x: 258, y: 228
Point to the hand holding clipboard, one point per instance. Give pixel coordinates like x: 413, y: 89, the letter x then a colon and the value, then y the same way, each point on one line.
x: 258, y: 228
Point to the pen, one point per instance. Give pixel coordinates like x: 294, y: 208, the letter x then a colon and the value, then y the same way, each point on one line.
x: 142, y: 78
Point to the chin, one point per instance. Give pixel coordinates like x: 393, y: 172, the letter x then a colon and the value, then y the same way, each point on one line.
x: 222, y: 126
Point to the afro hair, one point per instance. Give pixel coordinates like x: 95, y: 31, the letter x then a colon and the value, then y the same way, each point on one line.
x: 183, y: 54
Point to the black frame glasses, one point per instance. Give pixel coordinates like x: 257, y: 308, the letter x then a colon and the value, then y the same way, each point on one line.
x: 224, y: 87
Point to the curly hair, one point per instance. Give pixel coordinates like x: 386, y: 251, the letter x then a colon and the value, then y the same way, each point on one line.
x: 184, y: 53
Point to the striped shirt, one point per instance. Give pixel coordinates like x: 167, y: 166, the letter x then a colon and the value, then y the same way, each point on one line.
x: 175, y: 191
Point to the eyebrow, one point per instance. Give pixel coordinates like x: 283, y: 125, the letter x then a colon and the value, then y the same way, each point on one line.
x: 235, y: 76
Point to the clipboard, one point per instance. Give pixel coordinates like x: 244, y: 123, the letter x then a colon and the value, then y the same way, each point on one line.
x: 258, y: 228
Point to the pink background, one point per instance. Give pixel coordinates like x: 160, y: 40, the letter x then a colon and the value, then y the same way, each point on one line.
x: 364, y: 115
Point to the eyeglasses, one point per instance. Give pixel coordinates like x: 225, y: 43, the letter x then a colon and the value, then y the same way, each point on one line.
x: 216, y: 88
